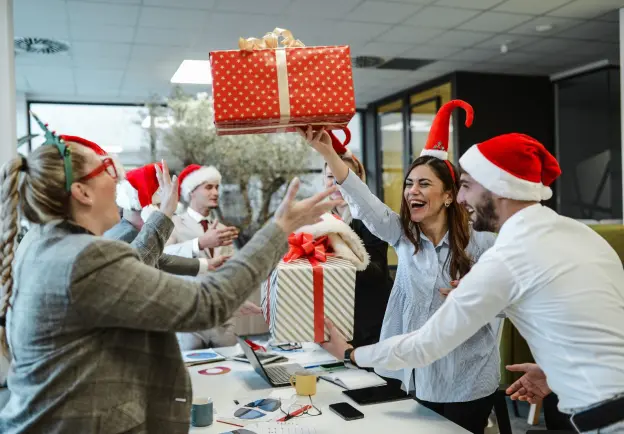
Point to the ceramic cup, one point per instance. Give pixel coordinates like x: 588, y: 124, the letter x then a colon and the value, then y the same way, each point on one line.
x: 201, y: 412
x: 304, y: 383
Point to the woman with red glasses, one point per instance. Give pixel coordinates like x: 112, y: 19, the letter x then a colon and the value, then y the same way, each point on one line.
x: 89, y: 328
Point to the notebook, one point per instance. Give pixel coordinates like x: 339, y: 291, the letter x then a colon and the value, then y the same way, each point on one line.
x: 354, y: 379
x: 199, y: 357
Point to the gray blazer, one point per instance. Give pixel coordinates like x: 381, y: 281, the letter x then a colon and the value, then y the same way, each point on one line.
x: 91, y: 329
x: 125, y: 231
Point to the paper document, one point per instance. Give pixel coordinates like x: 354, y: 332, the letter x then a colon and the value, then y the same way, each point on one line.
x: 354, y: 379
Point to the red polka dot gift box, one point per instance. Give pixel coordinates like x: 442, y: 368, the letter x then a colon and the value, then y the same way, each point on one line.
x: 265, y: 87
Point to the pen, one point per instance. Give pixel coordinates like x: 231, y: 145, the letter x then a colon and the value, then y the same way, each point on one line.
x: 294, y: 413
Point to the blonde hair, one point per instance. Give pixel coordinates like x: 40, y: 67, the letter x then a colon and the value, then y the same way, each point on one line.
x: 354, y: 164
x: 40, y: 194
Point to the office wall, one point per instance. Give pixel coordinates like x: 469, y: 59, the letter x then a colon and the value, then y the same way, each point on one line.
x: 505, y: 104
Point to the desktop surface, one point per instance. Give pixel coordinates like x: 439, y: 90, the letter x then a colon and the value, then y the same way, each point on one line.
x: 242, y: 384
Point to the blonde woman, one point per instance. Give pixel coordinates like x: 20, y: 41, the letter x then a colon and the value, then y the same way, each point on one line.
x: 90, y: 328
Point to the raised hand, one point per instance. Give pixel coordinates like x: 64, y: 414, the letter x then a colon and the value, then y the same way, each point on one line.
x: 217, y: 237
x: 532, y: 386
x: 168, y: 190
x: 319, y: 140
x: 292, y: 214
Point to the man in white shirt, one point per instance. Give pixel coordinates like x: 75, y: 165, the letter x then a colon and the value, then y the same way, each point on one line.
x: 197, y: 234
x: 558, y: 281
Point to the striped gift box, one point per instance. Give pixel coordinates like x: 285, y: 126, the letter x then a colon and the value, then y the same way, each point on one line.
x: 293, y: 307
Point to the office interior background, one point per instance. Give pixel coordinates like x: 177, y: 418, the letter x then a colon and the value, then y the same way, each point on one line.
x: 547, y: 68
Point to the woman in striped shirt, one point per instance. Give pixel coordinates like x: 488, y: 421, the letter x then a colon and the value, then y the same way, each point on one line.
x: 435, y: 246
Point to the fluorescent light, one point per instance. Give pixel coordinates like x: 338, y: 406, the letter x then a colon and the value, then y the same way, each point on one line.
x: 544, y: 27
x: 193, y: 72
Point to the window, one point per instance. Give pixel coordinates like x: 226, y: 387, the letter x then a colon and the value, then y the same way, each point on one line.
x: 588, y: 146
x: 116, y: 128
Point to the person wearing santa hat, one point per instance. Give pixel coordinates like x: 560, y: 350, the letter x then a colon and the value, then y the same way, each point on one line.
x: 197, y: 234
x: 137, y: 196
x: 557, y: 280
x: 435, y: 246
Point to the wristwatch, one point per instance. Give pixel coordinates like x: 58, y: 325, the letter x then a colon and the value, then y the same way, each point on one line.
x: 347, y: 359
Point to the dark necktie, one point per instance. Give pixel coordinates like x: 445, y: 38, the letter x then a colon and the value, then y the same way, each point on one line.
x: 204, y: 224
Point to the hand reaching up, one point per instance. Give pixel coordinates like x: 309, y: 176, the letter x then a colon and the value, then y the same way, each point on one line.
x: 292, y: 214
x: 319, y: 140
x: 168, y: 190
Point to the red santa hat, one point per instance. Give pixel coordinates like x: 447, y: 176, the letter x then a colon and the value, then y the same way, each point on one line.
x: 193, y: 176
x: 438, y: 139
x: 137, y: 190
x: 515, y: 166
x: 98, y: 150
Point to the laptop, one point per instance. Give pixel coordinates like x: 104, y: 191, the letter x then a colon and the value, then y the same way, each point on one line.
x: 277, y: 375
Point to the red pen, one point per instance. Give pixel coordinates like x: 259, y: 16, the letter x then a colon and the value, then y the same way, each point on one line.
x: 294, y: 413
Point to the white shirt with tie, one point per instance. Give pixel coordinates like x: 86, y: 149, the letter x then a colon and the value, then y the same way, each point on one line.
x: 184, y: 240
x: 559, y: 282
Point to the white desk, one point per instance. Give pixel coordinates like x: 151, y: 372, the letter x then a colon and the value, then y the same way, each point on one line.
x: 245, y: 385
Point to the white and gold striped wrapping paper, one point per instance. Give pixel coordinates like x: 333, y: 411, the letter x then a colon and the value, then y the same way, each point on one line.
x: 291, y: 296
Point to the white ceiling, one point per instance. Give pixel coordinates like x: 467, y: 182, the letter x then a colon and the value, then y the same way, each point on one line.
x: 126, y: 50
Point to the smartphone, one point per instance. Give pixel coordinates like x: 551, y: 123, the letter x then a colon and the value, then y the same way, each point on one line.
x: 346, y: 411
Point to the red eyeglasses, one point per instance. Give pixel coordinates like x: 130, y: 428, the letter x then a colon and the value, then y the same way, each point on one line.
x: 107, y: 165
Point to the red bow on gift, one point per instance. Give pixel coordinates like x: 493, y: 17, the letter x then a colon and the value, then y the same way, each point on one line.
x: 304, y: 246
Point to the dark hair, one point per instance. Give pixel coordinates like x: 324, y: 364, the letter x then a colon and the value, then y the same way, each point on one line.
x: 457, y: 217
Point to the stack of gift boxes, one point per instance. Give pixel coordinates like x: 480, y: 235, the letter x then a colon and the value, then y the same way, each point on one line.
x: 272, y: 85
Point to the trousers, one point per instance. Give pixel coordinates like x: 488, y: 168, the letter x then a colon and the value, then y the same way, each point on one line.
x: 470, y: 415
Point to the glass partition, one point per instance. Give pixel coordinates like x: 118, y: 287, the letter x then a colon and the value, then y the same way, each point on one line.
x: 391, y: 134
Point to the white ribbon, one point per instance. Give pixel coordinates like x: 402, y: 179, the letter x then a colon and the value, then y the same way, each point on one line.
x: 282, y: 87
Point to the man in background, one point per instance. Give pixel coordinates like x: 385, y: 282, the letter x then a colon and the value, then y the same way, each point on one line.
x: 198, y: 234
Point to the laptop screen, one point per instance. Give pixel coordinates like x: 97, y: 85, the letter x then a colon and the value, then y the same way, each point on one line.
x: 253, y: 359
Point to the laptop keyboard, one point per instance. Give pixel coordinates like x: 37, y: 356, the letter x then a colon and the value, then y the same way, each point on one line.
x: 278, y: 374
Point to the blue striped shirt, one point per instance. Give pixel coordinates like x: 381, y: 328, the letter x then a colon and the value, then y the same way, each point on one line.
x: 472, y: 370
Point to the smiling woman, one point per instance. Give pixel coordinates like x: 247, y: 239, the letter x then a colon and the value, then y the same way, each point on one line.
x: 429, y: 204
x: 435, y: 246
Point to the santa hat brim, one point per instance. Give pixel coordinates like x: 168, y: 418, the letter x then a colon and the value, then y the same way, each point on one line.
x: 499, y: 181
x: 344, y: 241
x: 148, y: 211
x: 442, y: 155
x: 198, y: 177
x: 127, y: 196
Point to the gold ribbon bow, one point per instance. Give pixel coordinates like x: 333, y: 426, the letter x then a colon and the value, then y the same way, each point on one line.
x: 270, y: 40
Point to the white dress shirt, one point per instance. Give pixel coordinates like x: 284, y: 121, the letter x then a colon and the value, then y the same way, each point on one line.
x: 560, y: 283
x: 198, y: 218
x: 472, y: 370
